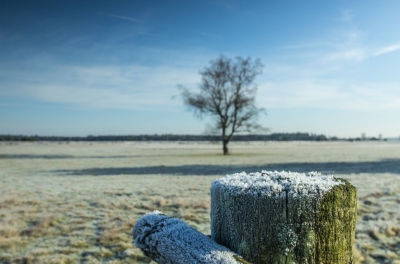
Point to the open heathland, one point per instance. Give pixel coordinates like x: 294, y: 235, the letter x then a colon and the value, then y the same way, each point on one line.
x: 77, y: 202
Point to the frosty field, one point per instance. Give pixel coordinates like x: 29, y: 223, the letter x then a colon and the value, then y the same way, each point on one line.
x: 77, y: 202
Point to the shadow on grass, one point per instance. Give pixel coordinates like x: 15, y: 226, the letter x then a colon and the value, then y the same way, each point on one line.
x: 32, y: 156
x: 382, y: 166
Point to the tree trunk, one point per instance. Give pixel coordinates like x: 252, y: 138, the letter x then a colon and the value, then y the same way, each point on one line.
x: 284, y: 217
x: 225, y: 146
x: 225, y: 141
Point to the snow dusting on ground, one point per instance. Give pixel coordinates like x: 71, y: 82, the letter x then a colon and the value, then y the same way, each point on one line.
x: 77, y: 202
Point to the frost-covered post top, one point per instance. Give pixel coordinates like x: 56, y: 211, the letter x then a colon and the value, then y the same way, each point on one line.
x: 274, y: 183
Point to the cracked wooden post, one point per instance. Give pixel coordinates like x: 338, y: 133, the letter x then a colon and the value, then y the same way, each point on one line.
x: 169, y: 240
x: 284, y: 217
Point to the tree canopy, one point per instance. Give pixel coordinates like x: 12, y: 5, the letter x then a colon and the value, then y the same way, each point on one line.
x: 227, y: 93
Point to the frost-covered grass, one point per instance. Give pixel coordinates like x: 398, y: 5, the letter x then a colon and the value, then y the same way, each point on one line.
x: 78, y: 202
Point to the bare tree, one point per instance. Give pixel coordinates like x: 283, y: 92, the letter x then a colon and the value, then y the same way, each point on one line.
x: 227, y: 93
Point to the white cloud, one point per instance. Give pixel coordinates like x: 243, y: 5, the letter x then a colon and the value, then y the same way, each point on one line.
x: 329, y: 94
x: 118, y: 87
x: 350, y: 38
x: 146, y: 86
x: 297, y: 81
x: 357, y: 54
x: 126, y: 18
x: 227, y: 5
x: 347, y: 15
x: 340, y: 48
x: 387, y: 49
x: 305, y: 45
x: 323, y: 79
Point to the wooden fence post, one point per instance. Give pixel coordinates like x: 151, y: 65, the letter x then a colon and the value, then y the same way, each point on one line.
x: 284, y: 217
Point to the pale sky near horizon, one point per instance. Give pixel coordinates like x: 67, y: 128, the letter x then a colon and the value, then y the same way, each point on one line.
x: 75, y: 68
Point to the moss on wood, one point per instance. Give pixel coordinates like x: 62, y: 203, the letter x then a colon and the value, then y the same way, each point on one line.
x: 336, y: 222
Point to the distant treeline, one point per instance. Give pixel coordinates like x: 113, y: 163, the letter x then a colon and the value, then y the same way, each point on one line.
x: 171, y: 137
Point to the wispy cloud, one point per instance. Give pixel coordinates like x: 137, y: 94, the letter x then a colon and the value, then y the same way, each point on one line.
x: 329, y: 94
x: 110, y: 87
x: 387, y: 49
x: 349, y: 37
x: 341, y: 49
x: 227, y: 5
x: 126, y: 18
x: 312, y: 81
x: 347, y: 15
x: 306, y: 45
x: 151, y: 34
x: 341, y: 45
x: 207, y: 35
x: 9, y: 104
x: 141, y: 27
x: 357, y: 54
x: 318, y: 77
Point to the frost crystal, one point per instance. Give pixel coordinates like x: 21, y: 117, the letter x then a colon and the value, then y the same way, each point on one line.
x: 271, y: 183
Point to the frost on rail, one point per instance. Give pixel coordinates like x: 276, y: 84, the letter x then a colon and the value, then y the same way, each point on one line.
x: 171, y: 240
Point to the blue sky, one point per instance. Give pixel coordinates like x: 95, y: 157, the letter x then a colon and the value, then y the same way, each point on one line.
x: 111, y: 67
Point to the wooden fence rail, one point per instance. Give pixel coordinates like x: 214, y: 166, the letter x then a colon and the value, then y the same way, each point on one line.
x: 171, y: 240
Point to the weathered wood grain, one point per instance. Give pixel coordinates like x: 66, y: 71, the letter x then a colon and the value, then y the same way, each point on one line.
x: 280, y: 217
